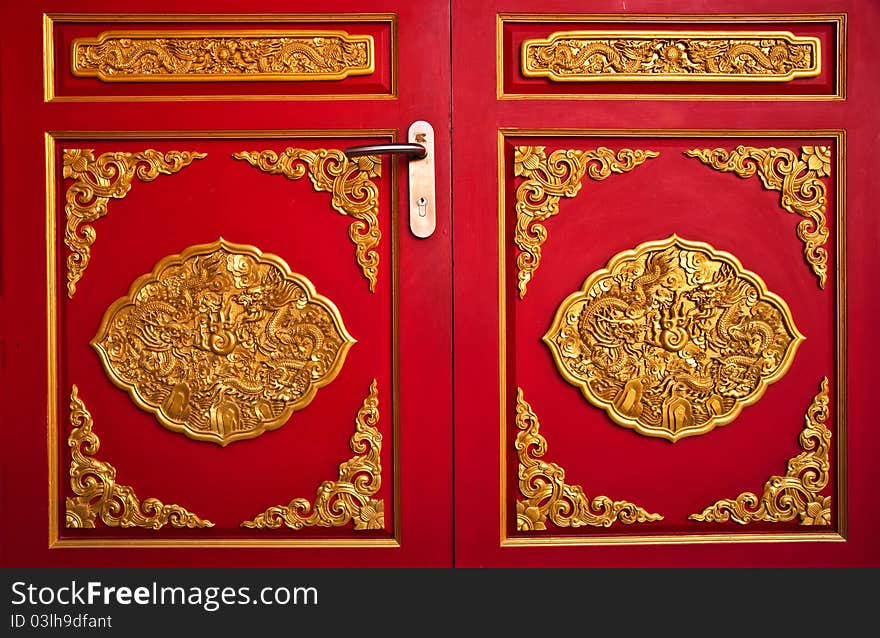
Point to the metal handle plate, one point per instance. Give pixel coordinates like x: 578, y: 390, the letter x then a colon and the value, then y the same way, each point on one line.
x: 422, y: 200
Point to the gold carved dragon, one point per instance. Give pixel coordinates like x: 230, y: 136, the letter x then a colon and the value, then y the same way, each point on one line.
x: 673, y: 338
x: 222, y: 342
x: 581, y: 56
x: 191, y: 56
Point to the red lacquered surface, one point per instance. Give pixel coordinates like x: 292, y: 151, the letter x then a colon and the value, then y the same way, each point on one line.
x: 669, y: 194
x: 220, y: 196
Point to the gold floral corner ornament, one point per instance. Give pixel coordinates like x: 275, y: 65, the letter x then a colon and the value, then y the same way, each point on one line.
x: 222, y: 342
x: 547, y: 178
x: 673, y: 338
x: 795, y: 495
x: 690, y: 56
x: 99, y: 496
x: 350, y: 498
x: 799, y: 181
x: 545, y: 493
x: 97, y: 180
x: 349, y: 181
x: 222, y: 55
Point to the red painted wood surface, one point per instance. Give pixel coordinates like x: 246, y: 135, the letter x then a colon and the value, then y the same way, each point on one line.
x: 675, y: 194
x: 223, y: 196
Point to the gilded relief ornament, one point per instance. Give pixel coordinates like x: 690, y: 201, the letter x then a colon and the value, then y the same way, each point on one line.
x: 546, y: 495
x: 192, y: 56
x: 799, y: 181
x: 349, y: 181
x: 547, y: 179
x: 97, y: 180
x: 351, y: 497
x: 222, y: 342
x: 691, y: 56
x: 673, y: 339
x: 798, y: 493
x: 99, y: 496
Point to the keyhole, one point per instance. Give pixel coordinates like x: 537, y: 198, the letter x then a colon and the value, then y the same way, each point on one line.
x: 423, y: 206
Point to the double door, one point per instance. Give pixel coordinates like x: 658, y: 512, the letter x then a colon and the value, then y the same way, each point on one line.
x: 581, y: 301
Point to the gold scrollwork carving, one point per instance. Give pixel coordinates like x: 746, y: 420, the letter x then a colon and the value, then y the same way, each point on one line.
x: 99, y: 496
x: 545, y: 493
x: 222, y: 342
x: 354, y: 194
x: 349, y: 499
x: 211, y: 55
x: 706, y: 56
x: 673, y: 339
x: 96, y: 182
x: 798, y: 180
x: 795, y: 495
x: 547, y: 178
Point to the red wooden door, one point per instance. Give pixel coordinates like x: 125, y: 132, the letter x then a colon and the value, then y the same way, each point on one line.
x: 239, y: 348
x: 662, y: 306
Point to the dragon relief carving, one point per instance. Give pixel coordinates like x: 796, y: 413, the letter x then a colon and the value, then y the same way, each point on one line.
x: 668, y: 55
x: 222, y: 342
x: 187, y: 56
x: 673, y: 338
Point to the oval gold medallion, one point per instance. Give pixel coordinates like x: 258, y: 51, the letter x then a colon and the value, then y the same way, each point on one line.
x: 222, y: 342
x: 673, y: 338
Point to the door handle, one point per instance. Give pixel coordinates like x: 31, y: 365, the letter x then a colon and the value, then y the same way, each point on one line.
x: 420, y: 151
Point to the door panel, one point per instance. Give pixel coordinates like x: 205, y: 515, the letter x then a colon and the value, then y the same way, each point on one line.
x: 610, y: 451
x: 236, y: 333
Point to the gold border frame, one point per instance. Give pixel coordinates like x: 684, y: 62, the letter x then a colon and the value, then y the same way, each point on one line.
x: 52, y: 289
x: 49, y: 20
x: 837, y: 19
x: 840, y: 391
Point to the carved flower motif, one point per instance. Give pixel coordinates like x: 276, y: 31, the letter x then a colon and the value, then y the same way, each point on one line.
x: 671, y: 59
x: 818, y: 512
x: 818, y: 159
x: 371, y: 515
x: 78, y: 513
x: 76, y: 162
x: 527, y: 158
x: 369, y: 165
x: 528, y: 517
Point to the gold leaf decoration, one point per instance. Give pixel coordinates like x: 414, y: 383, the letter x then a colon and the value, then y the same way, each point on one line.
x: 215, y: 55
x: 798, y: 179
x: 546, y: 494
x: 222, y: 342
x: 99, y: 496
x: 692, y: 56
x: 795, y: 495
x: 348, y: 181
x: 98, y: 180
x: 547, y: 178
x: 673, y: 339
x: 349, y: 499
